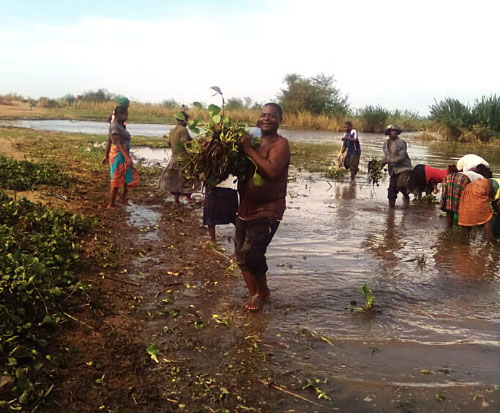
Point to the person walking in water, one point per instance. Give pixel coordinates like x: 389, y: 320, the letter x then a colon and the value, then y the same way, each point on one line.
x: 350, y: 143
x: 262, y: 204
x: 399, y: 163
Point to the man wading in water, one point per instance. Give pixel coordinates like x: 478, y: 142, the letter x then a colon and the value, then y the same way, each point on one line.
x: 399, y: 163
x: 262, y: 204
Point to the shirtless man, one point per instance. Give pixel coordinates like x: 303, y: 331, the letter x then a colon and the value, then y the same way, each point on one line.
x: 262, y: 204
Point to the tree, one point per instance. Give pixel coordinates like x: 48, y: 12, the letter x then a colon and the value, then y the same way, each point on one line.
x: 317, y: 95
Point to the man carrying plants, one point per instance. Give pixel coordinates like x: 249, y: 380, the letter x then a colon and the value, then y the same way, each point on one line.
x: 350, y: 142
x: 262, y: 204
x: 399, y: 163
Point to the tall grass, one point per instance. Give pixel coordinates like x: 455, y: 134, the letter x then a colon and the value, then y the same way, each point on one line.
x: 457, y: 121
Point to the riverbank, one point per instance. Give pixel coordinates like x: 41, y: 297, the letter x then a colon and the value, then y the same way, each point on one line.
x: 155, y: 283
x: 149, y: 113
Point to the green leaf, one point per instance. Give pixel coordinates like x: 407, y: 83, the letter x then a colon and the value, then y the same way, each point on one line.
x: 216, y: 118
x: 153, y: 351
x: 213, y: 110
x: 198, y: 105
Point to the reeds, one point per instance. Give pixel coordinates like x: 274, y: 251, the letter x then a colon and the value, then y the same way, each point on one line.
x: 457, y: 121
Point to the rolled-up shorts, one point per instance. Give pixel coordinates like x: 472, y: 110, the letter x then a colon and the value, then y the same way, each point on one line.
x: 250, y: 243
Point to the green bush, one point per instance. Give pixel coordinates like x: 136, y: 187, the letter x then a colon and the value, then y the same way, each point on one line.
x: 25, y: 175
x: 486, y: 113
x: 460, y: 122
x: 373, y: 118
x: 38, y: 250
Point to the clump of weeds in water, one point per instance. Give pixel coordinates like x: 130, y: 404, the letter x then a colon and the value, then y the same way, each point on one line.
x: 368, y: 296
x: 39, y: 247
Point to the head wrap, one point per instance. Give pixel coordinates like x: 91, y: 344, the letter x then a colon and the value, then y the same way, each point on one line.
x: 123, y: 101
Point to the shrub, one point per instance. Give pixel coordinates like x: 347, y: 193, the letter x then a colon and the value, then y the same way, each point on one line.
x: 373, y: 118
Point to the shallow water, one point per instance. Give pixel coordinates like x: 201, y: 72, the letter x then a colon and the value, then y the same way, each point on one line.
x: 436, y: 293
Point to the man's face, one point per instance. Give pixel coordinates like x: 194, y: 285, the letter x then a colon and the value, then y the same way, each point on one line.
x: 269, y: 119
x: 347, y: 127
x: 393, y: 134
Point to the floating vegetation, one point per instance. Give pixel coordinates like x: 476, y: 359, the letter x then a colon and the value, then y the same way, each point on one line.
x: 368, y: 296
x: 375, y: 172
x: 314, y: 384
x: 25, y: 175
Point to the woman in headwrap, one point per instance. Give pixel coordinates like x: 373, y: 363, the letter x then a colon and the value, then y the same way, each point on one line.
x: 174, y: 178
x: 122, y: 173
x: 476, y: 205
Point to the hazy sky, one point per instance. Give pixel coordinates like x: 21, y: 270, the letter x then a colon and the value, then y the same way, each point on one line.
x: 400, y: 54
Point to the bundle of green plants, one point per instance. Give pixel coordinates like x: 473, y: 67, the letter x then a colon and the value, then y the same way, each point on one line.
x: 375, y: 172
x: 25, y: 175
x: 39, y: 248
x: 337, y: 171
x: 216, y: 152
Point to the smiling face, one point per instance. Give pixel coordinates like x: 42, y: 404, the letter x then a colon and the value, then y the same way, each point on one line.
x: 269, y: 119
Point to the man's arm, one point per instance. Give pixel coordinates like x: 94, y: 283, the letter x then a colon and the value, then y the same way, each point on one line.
x: 277, y: 159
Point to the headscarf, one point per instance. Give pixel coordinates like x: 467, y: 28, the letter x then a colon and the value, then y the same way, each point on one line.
x: 123, y: 101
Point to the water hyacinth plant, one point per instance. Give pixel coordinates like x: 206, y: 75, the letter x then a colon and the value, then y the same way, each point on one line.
x: 216, y: 151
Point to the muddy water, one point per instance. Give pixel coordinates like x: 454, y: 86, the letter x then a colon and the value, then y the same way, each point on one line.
x: 436, y: 293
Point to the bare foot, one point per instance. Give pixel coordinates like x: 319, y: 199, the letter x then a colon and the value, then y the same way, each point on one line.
x: 123, y: 201
x: 111, y: 206
x: 256, y: 302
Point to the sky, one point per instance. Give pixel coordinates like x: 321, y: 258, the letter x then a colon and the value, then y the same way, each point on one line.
x: 397, y: 54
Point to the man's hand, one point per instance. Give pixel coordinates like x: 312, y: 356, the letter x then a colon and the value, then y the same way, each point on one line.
x: 105, y: 160
x: 246, y: 142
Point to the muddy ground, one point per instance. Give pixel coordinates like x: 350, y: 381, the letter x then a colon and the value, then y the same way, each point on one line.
x: 157, y: 283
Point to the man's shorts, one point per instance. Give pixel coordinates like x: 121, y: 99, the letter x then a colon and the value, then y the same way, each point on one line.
x: 352, y: 162
x: 250, y: 243
x: 398, y: 183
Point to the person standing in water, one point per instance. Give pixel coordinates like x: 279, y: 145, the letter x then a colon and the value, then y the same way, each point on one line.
x: 399, y: 163
x: 350, y: 142
x: 262, y: 204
